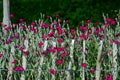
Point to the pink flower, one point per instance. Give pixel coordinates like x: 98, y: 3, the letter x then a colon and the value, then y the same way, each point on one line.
x: 25, y: 52
x: 15, y: 25
x: 51, y: 34
x: 102, y: 29
x: 23, y: 27
x: 1, y: 55
x: 60, y: 41
x: 55, y: 22
x: 57, y: 15
x: 108, y: 51
x: 11, y: 15
x: 84, y: 65
x: 18, y: 69
x: 7, y: 28
x: 58, y: 27
x: 21, y: 20
x: 107, y: 77
x: 60, y: 49
x: 16, y: 35
x: 44, y: 25
x: 64, y: 54
x: 88, y: 21
x: 106, y: 24
x: 52, y: 71
x: 44, y: 37
x: 60, y: 61
x: 83, y: 36
x: 21, y: 48
x: 53, y: 50
x: 66, y: 21
x: 33, y: 24
x: 92, y: 70
x: 14, y: 62
x: 60, y: 31
x: 116, y: 41
x: 48, y: 17
x: 72, y: 31
x: 40, y: 44
x: 111, y: 21
x: 35, y: 31
x: 96, y: 31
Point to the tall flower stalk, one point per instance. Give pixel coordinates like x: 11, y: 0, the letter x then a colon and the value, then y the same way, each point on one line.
x: 10, y: 68
x: 41, y: 61
x: 99, y: 61
x: 54, y: 58
x: 71, y: 61
x: 24, y: 60
x: 83, y: 72
x: 115, y: 50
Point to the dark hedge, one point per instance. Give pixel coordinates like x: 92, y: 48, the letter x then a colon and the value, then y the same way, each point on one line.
x: 74, y: 10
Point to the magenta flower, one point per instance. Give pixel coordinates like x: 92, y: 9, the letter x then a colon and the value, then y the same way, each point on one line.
x: 108, y: 51
x: 107, y: 77
x: 88, y: 21
x: 64, y: 54
x: 83, y: 36
x: 35, y: 31
x: 33, y: 24
x: 21, y: 20
x: 15, y: 25
x: 110, y: 21
x: 11, y: 15
x: 23, y: 27
x: 60, y: 61
x: 116, y: 41
x: 1, y: 55
x: 96, y: 31
x: 60, y: 31
x: 53, y: 50
x: 66, y: 21
x: 14, y: 62
x: 16, y: 36
x: 106, y: 25
x: 52, y: 71
x: 7, y: 28
x: 60, y: 41
x: 40, y: 44
x: 21, y: 48
x: 84, y: 65
x: 44, y: 37
x: 25, y: 52
x: 55, y: 22
x: 60, y: 49
x: 44, y: 25
x: 57, y: 15
x: 48, y: 17
x: 83, y: 28
x: 92, y: 70
x: 72, y: 31
x: 58, y: 27
x: 51, y: 34
x: 18, y: 69
x: 102, y: 29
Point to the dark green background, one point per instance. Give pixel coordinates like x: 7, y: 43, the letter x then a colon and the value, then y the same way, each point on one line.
x: 74, y: 10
